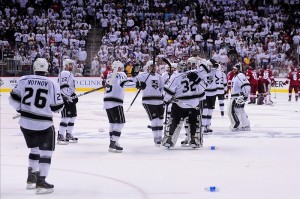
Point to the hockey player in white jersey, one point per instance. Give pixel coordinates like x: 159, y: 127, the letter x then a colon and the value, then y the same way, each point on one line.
x: 222, y: 89
x: 35, y: 97
x: 202, y: 69
x: 69, y: 113
x: 185, y: 91
x: 240, y: 90
x: 213, y: 79
x: 113, y: 104
x: 152, y: 84
x: 166, y: 76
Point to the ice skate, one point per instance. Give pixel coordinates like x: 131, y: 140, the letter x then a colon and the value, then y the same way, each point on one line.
x: 114, y: 147
x: 42, y: 187
x: 31, y: 179
x: 246, y: 128
x: 193, y: 143
x: 157, y: 141
x: 71, y: 138
x: 185, y: 142
x: 169, y: 142
x: 222, y: 113
x: 207, y: 130
x: 61, y: 140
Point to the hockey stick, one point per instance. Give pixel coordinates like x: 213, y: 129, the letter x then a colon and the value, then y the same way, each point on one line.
x: 154, y: 55
x: 110, y: 82
x: 82, y: 94
x: 88, y: 92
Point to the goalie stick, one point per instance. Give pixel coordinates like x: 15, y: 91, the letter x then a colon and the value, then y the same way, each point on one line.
x: 110, y: 82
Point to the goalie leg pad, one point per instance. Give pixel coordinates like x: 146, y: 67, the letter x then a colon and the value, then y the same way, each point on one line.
x: 170, y: 139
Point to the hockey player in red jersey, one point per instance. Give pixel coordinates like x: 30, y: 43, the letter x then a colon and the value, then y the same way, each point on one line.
x: 253, y: 79
x: 230, y: 75
x: 268, y: 80
x: 294, y: 80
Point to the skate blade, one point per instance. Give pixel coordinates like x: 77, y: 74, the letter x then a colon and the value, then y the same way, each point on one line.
x: 158, y: 145
x: 31, y: 186
x: 62, y: 143
x: 43, y: 191
x: 194, y: 146
x: 185, y: 145
x: 73, y: 141
x: 167, y: 145
x: 114, y: 150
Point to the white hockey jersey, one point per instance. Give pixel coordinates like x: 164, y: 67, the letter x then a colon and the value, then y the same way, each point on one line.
x: 66, y: 82
x: 166, y: 76
x: 183, y: 92
x: 222, y: 86
x: 36, y: 97
x: 214, y: 78
x: 114, y: 95
x: 152, y: 94
x: 240, y: 84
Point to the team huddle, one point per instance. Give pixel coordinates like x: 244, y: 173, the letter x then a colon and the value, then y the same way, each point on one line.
x: 184, y: 95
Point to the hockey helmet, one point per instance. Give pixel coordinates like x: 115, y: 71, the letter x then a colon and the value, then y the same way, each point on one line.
x: 67, y: 62
x: 192, y: 62
x: 206, y: 64
x: 214, y: 63
x: 174, y: 65
x: 40, y: 65
x: 117, y: 64
x: 148, y: 64
x: 181, y: 66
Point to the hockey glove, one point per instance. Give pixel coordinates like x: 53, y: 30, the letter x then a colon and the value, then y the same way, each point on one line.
x: 239, y: 102
x: 141, y: 85
x: 75, y: 98
x: 192, y: 76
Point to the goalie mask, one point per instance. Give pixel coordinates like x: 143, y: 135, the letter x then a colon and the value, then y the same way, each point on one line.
x: 182, y: 66
x: 192, y: 63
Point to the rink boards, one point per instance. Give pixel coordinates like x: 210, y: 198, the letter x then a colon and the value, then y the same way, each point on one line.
x: 88, y: 83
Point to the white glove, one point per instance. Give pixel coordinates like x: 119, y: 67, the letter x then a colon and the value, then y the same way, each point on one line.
x: 240, y: 100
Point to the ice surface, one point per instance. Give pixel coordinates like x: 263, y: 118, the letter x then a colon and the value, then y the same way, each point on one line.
x: 261, y: 164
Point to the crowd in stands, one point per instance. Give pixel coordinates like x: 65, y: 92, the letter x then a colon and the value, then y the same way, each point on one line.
x: 250, y: 32
x: 51, y: 29
x: 256, y: 33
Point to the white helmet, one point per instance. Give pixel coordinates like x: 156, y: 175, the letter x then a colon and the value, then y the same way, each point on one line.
x: 182, y: 66
x: 174, y: 65
x: 206, y: 65
x: 148, y: 64
x: 193, y: 62
x: 117, y: 64
x: 40, y: 65
x: 66, y: 62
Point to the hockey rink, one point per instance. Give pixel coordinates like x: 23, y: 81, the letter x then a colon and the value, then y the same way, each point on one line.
x: 263, y: 163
